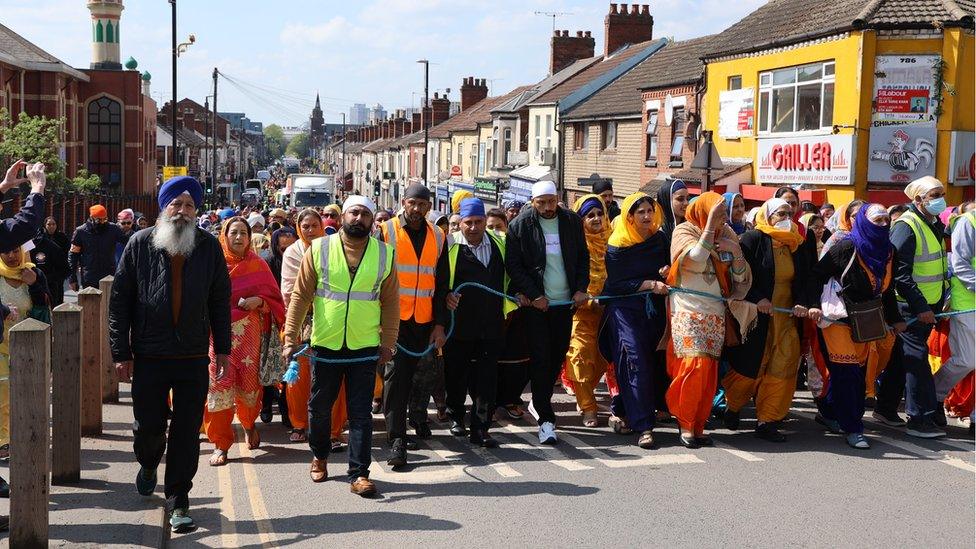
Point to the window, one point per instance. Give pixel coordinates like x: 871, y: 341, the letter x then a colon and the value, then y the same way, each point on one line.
x: 549, y: 131
x: 796, y: 99
x: 609, y: 135
x: 494, y: 148
x: 508, y: 145
x: 105, y: 140
x: 580, y: 136
x: 651, y: 139
x: 538, y: 134
x: 677, y: 135
x: 735, y: 82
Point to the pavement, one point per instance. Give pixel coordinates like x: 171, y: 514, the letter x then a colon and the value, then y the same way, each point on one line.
x: 593, y: 489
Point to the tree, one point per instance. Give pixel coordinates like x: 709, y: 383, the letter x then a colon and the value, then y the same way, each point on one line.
x: 298, y: 146
x: 35, y: 139
x: 274, y: 141
x: 86, y: 183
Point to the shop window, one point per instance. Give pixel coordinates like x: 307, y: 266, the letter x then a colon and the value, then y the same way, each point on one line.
x: 735, y: 82
x: 651, y: 139
x: 105, y: 140
x: 609, y: 135
x: 677, y: 136
x: 796, y: 99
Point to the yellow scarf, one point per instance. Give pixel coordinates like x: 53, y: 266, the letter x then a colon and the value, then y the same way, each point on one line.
x: 790, y: 238
x: 13, y: 273
x: 596, y: 244
x: 625, y: 233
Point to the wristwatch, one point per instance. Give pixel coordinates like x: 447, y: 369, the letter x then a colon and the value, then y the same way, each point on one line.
x: 393, y: 351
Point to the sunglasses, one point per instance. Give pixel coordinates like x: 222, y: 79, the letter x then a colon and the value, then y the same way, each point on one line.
x: 331, y: 215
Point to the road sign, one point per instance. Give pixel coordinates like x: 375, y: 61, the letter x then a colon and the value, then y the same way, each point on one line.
x: 173, y: 171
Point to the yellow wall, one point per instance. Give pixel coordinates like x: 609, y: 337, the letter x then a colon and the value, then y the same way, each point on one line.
x: 465, y: 140
x: 485, y: 136
x: 854, y: 56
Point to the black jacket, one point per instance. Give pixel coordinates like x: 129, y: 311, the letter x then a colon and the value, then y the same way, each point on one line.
x: 525, y: 253
x: 856, y: 286
x: 50, y: 254
x: 94, y: 252
x: 757, y: 247
x: 479, y: 315
x: 140, y: 311
x: 18, y: 230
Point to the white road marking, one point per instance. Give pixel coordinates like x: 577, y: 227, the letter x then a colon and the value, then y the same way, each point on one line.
x: 637, y: 461
x: 495, y: 463
x: 919, y: 451
x: 564, y: 461
x: 742, y: 454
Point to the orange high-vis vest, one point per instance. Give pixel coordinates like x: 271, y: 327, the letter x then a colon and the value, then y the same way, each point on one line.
x: 416, y: 274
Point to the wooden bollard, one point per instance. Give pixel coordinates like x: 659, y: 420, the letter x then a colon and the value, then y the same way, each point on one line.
x: 30, y: 417
x: 110, y: 378
x: 90, y: 300
x: 66, y: 394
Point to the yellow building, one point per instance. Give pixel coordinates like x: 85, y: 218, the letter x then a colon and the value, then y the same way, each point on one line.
x: 844, y: 99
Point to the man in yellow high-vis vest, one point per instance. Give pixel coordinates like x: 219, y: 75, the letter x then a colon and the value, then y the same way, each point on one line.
x: 920, y: 274
x: 961, y: 298
x: 349, y: 280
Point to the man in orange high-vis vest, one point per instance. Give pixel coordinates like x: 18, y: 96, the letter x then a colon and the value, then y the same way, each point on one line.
x: 417, y: 245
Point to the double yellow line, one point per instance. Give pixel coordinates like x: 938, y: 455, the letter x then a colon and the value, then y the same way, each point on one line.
x: 225, y: 490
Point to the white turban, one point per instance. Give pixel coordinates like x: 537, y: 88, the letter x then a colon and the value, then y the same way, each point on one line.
x: 921, y: 186
x: 358, y: 200
x: 543, y: 188
x: 255, y: 219
x: 774, y: 204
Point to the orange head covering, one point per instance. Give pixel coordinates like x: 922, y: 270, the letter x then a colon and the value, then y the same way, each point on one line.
x: 697, y: 214
x: 307, y: 239
x: 230, y: 255
x: 790, y: 238
x: 98, y: 211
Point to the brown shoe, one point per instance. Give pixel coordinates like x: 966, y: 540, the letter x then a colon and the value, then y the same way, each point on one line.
x: 364, y: 487
x: 319, y: 472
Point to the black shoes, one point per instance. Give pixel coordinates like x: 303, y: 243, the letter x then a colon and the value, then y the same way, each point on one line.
x: 768, y: 431
x: 483, y: 439
x: 731, y: 419
x: 688, y: 441
x: 704, y: 440
x: 398, y: 457
x: 457, y: 429
x: 422, y: 430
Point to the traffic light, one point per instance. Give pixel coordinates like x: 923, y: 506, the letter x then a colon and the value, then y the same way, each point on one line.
x: 376, y: 187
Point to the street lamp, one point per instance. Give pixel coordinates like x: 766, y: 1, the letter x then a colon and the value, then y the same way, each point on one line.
x: 177, y: 50
x: 423, y: 112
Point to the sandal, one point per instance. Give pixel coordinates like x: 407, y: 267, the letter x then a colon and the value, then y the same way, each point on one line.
x: 619, y: 425
x: 298, y: 435
x: 514, y: 411
x: 590, y: 419
x: 252, y: 438
x: 218, y: 458
x: 646, y: 440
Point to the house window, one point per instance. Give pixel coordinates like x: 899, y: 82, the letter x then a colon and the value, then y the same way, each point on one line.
x: 651, y: 133
x: 538, y: 135
x: 580, y: 136
x: 105, y: 140
x: 677, y: 136
x: 796, y: 99
x: 735, y: 82
x: 508, y: 144
x: 609, y: 135
x: 549, y: 131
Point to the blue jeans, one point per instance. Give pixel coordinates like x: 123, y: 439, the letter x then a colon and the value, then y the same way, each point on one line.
x: 360, y: 379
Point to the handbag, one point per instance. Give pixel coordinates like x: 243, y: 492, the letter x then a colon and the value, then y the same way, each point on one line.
x: 831, y: 301
x: 867, y: 320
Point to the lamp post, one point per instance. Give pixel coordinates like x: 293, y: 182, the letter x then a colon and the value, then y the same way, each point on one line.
x: 343, y: 172
x: 423, y: 113
x: 177, y: 50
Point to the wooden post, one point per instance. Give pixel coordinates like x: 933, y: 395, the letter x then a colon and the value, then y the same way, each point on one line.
x: 90, y: 300
x: 30, y: 416
x: 110, y: 378
x: 66, y: 394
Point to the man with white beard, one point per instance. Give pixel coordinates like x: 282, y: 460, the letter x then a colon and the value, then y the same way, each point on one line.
x: 171, y: 295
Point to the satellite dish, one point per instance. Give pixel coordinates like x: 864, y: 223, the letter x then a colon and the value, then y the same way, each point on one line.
x: 668, y: 110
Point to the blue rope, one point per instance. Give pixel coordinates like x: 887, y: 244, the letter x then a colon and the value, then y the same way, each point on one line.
x: 291, y: 374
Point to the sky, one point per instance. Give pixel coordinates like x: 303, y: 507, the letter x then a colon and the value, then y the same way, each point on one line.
x: 278, y: 54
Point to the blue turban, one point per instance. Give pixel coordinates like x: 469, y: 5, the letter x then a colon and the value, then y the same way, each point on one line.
x: 226, y: 214
x: 178, y: 185
x: 589, y: 204
x: 472, y: 207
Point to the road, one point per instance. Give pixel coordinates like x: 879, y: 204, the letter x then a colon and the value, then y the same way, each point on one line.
x: 594, y: 489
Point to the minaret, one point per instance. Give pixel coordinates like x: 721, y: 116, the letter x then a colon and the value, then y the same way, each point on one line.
x: 105, y: 16
x: 317, y: 123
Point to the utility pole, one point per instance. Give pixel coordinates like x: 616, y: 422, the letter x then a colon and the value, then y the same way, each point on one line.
x: 176, y: 146
x: 206, y: 136
x: 240, y: 152
x: 423, y: 118
x: 213, y: 183
x: 343, y: 174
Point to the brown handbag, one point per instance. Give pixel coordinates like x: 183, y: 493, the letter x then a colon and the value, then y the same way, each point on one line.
x: 867, y: 320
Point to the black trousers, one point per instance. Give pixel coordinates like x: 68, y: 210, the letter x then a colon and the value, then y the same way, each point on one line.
x: 512, y: 378
x: 471, y: 368
x: 398, y: 377
x: 152, y: 380
x: 548, y: 340
x: 428, y: 381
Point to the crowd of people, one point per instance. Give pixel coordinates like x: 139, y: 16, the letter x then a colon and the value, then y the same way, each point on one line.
x: 689, y: 307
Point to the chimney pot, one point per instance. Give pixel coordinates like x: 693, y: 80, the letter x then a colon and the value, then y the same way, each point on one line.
x: 613, y: 9
x: 634, y: 9
x: 555, y: 33
x: 645, y: 10
x: 565, y: 33
x: 579, y: 34
x: 586, y: 34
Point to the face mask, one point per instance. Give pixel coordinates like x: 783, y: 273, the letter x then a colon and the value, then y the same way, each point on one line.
x: 937, y: 206
x: 784, y: 225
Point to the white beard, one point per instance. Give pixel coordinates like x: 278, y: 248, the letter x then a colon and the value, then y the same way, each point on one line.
x: 174, y: 237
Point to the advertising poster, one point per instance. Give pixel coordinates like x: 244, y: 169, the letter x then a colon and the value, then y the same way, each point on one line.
x: 899, y: 154
x: 816, y: 159
x: 962, y: 160
x: 903, y: 89
x: 736, y: 113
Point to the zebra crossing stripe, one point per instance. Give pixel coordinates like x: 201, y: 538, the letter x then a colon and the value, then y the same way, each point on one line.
x: 649, y: 459
x: 564, y: 461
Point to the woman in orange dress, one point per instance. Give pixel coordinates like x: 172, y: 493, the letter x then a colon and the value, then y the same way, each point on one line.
x: 255, y: 301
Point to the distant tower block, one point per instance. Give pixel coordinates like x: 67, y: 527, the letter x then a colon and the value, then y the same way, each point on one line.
x: 105, y: 17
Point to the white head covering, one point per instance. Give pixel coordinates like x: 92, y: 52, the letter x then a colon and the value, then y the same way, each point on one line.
x: 751, y: 215
x: 255, y: 219
x: 358, y: 200
x: 543, y: 188
x: 774, y: 204
x: 921, y: 186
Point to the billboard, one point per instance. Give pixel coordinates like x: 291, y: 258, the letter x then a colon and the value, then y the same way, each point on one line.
x: 815, y: 159
x: 899, y: 154
x: 736, y: 113
x: 903, y: 89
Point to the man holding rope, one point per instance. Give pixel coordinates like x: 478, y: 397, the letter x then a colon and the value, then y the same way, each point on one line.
x: 349, y: 280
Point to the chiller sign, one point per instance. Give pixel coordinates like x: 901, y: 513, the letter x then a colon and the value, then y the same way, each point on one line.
x: 820, y: 159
